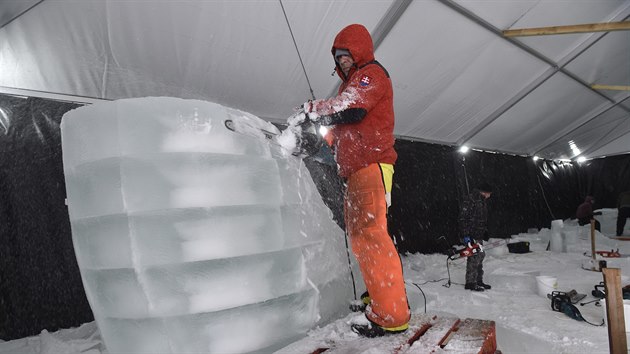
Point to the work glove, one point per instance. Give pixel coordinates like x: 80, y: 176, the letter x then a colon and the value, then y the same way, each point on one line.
x: 468, y: 240
x: 303, y: 113
x: 298, y: 117
x: 308, y: 108
x: 309, y: 111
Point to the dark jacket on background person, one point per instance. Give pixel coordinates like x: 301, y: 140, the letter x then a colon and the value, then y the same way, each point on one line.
x: 584, y: 212
x: 623, y: 211
x: 585, y: 209
x: 473, y: 216
x: 623, y: 200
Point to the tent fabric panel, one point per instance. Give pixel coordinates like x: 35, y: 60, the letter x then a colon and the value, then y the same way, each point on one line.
x: 453, y: 81
x: 55, y: 48
x: 544, y: 13
x: 227, y: 52
x: 606, y: 63
x: 614, y: 147
x: 606, y: 127
x: 12, y: 9
x: 196, y: 51
x: 557, y: 103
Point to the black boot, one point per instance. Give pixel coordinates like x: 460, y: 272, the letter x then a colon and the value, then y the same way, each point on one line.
x: 485, y: 286
x: 474, y: 287
x: 372, y: 330
x: 361, y: 306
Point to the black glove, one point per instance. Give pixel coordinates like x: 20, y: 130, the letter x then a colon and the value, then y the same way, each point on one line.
x: 310, y: 141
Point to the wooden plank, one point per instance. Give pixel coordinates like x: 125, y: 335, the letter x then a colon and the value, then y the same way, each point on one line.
x: 426, y: 334
x: 435, y: 336
x: 593, y: 254
x: 393, y: 344
x: 614, y: 311
x: 584, y: 28
x: 447, y: 336
x: 610, y: 87
x: 474, y: 336
x: 417, y: 335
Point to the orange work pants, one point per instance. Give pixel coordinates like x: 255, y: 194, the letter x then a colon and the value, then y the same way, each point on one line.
x: 366, y: 223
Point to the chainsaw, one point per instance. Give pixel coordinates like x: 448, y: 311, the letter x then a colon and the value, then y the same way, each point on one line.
x: 470, y: 249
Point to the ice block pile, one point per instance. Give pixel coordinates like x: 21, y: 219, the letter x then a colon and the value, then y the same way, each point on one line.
x: 191, y: 237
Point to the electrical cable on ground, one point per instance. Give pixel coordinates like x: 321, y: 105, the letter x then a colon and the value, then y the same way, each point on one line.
x: 423, y: 295
x: 448, y: 271
x: 590, y: 302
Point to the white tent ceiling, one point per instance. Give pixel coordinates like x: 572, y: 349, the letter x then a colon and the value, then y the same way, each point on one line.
x: 456, y: 78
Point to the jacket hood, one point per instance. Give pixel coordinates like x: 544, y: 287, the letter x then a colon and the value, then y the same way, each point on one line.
x: 357, y: 40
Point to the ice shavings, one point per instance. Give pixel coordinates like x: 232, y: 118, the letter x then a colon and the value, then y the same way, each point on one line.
x: 333, y: 105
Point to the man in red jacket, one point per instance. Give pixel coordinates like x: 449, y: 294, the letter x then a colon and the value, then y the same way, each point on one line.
x: 361, y: 135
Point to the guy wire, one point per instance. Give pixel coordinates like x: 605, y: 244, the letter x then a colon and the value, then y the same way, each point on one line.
x: 297, y: 50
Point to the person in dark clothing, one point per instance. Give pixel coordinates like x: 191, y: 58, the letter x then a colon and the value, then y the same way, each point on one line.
x: 473, y: 218
x: 584, y: 213
x: 623, y: 211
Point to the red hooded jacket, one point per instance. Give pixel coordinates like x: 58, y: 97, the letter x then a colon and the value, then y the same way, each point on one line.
x: 368, y: 86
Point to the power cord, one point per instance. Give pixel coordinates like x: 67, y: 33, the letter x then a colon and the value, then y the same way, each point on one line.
x: 448, y: 271
x: 423, y: 295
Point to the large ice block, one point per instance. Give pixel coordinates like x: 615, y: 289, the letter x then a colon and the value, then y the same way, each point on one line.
x: 191, y: 237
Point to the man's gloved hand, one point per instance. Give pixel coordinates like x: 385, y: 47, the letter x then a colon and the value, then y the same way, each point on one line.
x: 308, y: 108
x: 311, y: 114
x: 302, y: 114
x: 468, y: 240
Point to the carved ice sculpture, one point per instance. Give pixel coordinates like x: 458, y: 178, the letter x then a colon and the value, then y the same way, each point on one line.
x: 194, y: 238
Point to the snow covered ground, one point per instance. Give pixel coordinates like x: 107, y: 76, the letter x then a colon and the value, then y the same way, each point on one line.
x: 524, y: 319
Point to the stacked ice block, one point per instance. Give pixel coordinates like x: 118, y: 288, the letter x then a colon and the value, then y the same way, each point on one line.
x: 191, y: 237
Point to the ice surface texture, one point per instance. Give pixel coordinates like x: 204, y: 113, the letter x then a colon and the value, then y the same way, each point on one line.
x: 193, y: 238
